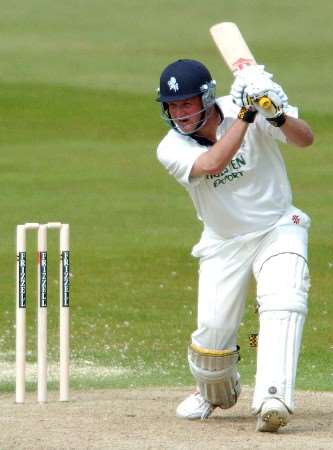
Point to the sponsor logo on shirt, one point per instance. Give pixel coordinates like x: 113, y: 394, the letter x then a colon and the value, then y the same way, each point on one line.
x: 231, y: 173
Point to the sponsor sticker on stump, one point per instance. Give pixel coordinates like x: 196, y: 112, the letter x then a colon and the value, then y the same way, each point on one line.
x: 22, y: 275
x: 65, y: 278
x: 43, y: 279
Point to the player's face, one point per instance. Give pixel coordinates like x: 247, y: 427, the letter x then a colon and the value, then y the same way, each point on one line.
x: 186, y: 113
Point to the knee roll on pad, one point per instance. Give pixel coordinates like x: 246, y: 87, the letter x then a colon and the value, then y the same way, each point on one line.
x: 283, y: 284
x: 216, y: 375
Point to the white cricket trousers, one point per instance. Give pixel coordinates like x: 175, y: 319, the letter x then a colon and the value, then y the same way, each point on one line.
x: 224, y: 280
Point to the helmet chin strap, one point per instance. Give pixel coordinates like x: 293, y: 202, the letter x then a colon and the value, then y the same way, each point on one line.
x: 205, y: 115
x: 197, y: 125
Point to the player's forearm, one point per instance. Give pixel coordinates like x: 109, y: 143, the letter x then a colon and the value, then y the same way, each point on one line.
x: 220, y: 154
x: 297, y: 132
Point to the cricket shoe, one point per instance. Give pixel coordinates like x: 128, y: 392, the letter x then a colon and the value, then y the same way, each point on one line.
x: 194, y: 407
x: 273, y: 415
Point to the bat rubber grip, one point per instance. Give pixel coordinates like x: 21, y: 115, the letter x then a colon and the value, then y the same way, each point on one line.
x: 264, y: 102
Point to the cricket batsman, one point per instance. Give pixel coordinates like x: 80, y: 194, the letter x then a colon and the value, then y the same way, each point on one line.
x: 224, y: 152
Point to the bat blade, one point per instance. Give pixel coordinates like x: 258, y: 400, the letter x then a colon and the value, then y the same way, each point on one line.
x: 232, y: 46
x: 235, y: 51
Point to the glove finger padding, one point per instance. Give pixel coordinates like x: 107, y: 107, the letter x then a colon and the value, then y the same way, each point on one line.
x: 276, y: 105
x: 283, y: 96
x: 264, y: 87
x: 250, y: 83
x: 258, y: 87
x: 237, y: 91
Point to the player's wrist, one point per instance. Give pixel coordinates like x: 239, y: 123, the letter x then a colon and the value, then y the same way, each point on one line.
x: 277, y: 121
x: 247, y: 115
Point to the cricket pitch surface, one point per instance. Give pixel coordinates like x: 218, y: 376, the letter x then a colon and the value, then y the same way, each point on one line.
x: 144, y: 419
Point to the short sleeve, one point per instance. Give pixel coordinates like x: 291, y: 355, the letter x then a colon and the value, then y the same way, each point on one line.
x: 178, y: 157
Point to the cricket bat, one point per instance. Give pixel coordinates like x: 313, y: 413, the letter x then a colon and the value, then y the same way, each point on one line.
x: 234, y: 50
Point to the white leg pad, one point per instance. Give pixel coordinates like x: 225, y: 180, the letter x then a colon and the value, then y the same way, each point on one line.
x: 279, y: 344
x: 216, y: 375
x: 282, y: 296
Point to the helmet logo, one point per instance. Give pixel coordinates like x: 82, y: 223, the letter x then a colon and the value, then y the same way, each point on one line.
x: 173, y: 85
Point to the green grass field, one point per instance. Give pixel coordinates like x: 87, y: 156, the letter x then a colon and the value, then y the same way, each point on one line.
x: 79, y: 128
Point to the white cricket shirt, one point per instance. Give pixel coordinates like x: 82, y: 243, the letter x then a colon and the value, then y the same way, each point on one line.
x: 250, y: 195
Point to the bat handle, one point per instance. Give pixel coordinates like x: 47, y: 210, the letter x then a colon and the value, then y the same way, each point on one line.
x: 264, y: 102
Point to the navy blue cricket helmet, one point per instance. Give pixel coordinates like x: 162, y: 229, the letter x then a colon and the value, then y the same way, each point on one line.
x: 182, y: 79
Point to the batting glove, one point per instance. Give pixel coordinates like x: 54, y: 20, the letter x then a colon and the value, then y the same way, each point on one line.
x: 249, y: 82
x: 278, y: 102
